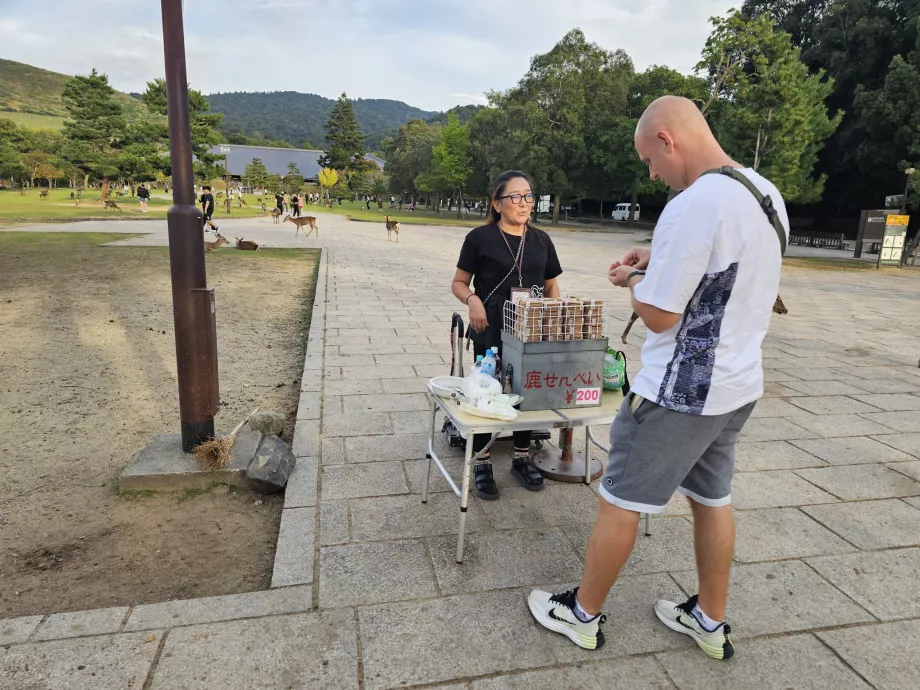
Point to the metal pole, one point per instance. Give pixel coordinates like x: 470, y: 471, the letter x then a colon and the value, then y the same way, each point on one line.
x: 226, y: 150
x: 196, y: 352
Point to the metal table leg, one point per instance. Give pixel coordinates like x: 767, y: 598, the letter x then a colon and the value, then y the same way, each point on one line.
x: 431, y: 432
x: 464, y: 496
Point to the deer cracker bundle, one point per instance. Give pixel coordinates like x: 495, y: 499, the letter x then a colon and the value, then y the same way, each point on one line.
x: 573, y: 319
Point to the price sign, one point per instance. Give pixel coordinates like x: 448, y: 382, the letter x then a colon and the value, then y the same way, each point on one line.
x: 587, y: 396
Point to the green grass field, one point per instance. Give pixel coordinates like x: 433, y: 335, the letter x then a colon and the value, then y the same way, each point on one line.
x: 357, y: 210
x: 34, y: 121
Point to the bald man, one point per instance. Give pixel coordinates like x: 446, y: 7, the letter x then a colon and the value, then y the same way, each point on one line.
x: 705, y: 291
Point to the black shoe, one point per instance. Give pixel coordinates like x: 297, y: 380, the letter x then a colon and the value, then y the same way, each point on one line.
x: 486, y: 488
x: 527, y: 473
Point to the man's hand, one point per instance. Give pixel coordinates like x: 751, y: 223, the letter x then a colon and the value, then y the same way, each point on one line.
x: 637, y: 258
x: 619, y: 273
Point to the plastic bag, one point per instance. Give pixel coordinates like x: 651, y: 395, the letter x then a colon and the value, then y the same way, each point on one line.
x: 615, y: 377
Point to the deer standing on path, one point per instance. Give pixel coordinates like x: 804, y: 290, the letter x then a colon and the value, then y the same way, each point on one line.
x: 300, y: 222
x: 392, y: 226
x: 43, y: 194
x: 276, y: 214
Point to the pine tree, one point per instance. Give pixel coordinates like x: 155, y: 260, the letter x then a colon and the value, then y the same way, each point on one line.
x: 344, y: 141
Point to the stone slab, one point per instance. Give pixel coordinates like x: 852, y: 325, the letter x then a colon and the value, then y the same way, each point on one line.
x: 415, y: 358
x: 16, y: 630
x: 300, y: 491
x: 306, y: 443
x: 557, y: 504
x: 88, y: 663
x: 861, y: 482
x: 81, y: 623
x: 374, y: 573
x: 772, y: 598
x: 387, y: 402
x: 871, y: 524
x: 826, y: 387
x: 411, y: 422
x: 783, y: 663
x: 774, y: 407
x: 774, y: 389
x: 811, y: 374
x: 309, y: 406
x: 832, y: 425
x: 362, y: 480
x: 891, y: 402
x: 884, y: 386
x: 884, y: 654
x: 510, y: 558
x: 333, y: 452
x: 915, y: 501
x: 772, y: 429
x: 295, y: 550
x: 377, y: 372
x: 170, y: 614
x: 897, y: 422
x: 312, y: 381
x: 851, y: 450
x: 884, y: 582
x: 640, y: 673
x: 387, y: 447
x: 829, y: 404
x: 307, y: 650
x: 415, y: 384
x: 438, y: 640
x: 775, y: 489
x: 351, y: 387
x: 405, y: 517
x: 908, y: 469
x: 908, y: 443
x: 669, y: 548
x: 357, y: 424
x: 773, y: 455
x: 163, y: 466
x: 777, y: 534
x: 333, y: 523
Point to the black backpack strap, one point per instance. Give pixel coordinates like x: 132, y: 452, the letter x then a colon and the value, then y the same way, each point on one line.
x: 766, y: 203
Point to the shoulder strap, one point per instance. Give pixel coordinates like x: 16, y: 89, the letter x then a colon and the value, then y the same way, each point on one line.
x: 766, y: 203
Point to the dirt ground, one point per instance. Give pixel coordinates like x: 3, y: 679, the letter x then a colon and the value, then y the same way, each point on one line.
x: 87, y: 376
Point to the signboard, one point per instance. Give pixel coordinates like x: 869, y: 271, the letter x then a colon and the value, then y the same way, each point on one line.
x: 871, y: 229
x: 896, y: 201
x: 893, y: 240
x: 543, y: 204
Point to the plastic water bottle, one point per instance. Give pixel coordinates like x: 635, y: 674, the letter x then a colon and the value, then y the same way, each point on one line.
x: 477, y: 367
x: 488, y: 364
x: 498, y: 363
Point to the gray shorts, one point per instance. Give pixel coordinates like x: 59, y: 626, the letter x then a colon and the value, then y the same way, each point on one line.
x: 655, y: 451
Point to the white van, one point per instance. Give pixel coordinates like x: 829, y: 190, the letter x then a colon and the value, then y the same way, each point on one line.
x: 621, y: 212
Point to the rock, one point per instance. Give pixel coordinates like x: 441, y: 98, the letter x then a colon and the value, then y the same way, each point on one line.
x: 269, y: 423
x: 272, y: 465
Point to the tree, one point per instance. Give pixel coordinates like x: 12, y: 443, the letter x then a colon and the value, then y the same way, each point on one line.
x: 451, y: 166
x: 255, y: 174
x: 273, y: 183
x: 96, y: 125
x: 47, y: 171
x: 293, y: 180
x: 33, y: 162
x: 409, y: 154
x: 658, y: 81
x: 345, y: 142
x: 306, y: 145
x: 328, y: 177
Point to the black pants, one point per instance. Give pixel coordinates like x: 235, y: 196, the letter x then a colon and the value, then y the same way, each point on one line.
x: 521, y: 438
x: 295, y: 211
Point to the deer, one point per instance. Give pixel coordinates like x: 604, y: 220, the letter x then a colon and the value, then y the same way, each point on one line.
x: 240, y: 202
x: 211, y: 246
x: 43, y: 194
x: 264, y: 209
x: 276, y: 215
x: 392, y: 226
x: 248, y: 245
x: 300, y: 222
x: 72, y: 196
x: 108, y: 203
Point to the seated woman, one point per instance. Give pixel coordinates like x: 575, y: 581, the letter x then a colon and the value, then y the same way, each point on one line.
x: 505, y: 254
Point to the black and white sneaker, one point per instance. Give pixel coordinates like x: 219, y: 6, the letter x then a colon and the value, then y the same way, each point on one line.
x: 556, y: 612
x: 679, y: 617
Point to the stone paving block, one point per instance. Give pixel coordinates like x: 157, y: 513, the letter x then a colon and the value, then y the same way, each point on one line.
x: 811, y: 374
x: 170, y: 614
x: 772, y: 598
x: 669, y: 548
x: 774, y: 407
x: 374, y: 573
x: 831, y: 425
x: 307, y: 650
x: 333, y: 523
x: 512, y: 558
x: 897, y: 422
x: 886, y: 385
x: 311, y: 381
x: 407, y: 385
x: 356, y: 424
x: 410, y: 359
x: 884, y: 654
x: 416, y: 469
x: 309, y: 406
x: 404, y: 517
x: 876, y: 373
x: 391, y: 348
x: 386, y: 448
x: 333, y: 450
x: 353, y: 387
x: 775, y: 489
x: 861, y: 482
x: 884, y: 582
x: 556, y: 505
x: 89, y: 663
x: 294, y: 553
x: 783, y: 663
x: 16, y: 630
x: 772, y: 389
x: 772, y: 429
x: 411, y: 422
x: 777, y: 534
x: 778, y: 376
x: 361, y: 404
x: 430, y: 370
x: 851, y: 450
x: 892, y: 402
x: 435, y: 641
x: 300, y: 491
x: 871, y: 524
x: 332, y: 404
x: 366, y: 479
x: 773, y: 455
x: 908, y: 443
x: 912, y: 501
x: 306, y: 442
x: 382, y: 372
x: 909, y: 469
x: 355, y: 360
x: 829, y: 404
x: 824, y: 387
x: 81, y: 623
x: 640, y: 673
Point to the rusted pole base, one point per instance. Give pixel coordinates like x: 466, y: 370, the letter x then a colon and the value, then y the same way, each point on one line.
x: 565, y: 464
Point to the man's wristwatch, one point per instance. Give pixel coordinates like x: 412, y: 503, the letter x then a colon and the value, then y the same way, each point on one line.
x: 633, y: 275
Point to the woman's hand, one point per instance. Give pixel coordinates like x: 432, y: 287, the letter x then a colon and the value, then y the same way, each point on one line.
x: 478, y: 320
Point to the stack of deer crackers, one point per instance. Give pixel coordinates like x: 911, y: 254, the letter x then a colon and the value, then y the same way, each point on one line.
x: 550, y: 319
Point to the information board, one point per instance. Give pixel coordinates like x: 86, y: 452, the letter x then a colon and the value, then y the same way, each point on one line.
x: 893, y: 240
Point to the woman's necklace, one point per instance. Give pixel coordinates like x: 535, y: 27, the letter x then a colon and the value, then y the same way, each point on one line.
x: 518, y: 258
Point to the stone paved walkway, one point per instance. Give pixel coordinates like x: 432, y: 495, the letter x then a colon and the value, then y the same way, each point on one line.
x: 366, y: 591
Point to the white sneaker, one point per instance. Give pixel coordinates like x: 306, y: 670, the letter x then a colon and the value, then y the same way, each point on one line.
x: 679, y: 618
x: 556, y: 612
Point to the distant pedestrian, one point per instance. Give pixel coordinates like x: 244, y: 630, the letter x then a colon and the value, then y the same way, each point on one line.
x: 295, y: 205
x: 143, y: 195
x: 279, y: 201
x: 207, y: 209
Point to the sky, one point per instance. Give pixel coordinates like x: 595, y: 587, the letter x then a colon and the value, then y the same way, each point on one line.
x: 432, y: 54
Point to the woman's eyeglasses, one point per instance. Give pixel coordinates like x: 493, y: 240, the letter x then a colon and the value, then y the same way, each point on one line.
x: 516, y: 198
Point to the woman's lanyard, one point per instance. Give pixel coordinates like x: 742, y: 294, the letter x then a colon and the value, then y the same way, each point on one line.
x: 518, y: 258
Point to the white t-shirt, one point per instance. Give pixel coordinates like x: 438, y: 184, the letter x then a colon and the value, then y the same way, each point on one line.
x: 715, y: 260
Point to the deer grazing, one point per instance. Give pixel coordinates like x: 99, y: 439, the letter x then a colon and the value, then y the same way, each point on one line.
x: 264, y: 209
x: 392, y: 226
x: 276, y: 215
x: 248, y: 245
x: 108, y: 203
x: 300, y: 222
x: 43, y: 194
x: 211, y: 246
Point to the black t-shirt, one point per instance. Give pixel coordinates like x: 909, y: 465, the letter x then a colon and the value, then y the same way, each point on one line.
x: 142, y: 193
x: 207, y: 203
x: 279, y: 200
